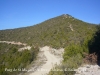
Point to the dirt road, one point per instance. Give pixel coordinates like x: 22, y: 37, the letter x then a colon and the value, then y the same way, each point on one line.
x: 18, y: 43
x: 52, y: 60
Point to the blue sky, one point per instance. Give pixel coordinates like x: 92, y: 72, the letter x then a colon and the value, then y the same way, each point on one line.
x: 22, y: 13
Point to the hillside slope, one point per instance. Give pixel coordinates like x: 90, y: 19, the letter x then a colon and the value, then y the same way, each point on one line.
x: 64, y: 31
x: 56, y: 32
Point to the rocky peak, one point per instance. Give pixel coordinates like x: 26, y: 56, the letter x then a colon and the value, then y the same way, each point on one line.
x: 66, y: 16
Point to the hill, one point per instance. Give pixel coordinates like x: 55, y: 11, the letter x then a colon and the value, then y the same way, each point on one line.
x: 56, y: 32
x: 75, y: 36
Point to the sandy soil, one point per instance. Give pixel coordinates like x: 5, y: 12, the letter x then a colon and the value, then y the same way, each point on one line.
x: 51, y: 61
x: 88, y: 70
x: 23, y: 48
x: 13, y: 42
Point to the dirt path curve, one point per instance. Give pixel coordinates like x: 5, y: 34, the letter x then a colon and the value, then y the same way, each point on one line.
x: 51, y: 61
x: 18, y: 43
x: 13, y: 42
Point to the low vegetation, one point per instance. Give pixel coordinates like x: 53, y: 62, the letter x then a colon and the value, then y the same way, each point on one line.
x: 55, y: 32
x: 76, y: 36
x: 76, y: 55
x: 13, y: 59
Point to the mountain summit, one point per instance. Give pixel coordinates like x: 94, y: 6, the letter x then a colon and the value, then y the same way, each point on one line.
x: 67, y: 16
